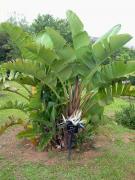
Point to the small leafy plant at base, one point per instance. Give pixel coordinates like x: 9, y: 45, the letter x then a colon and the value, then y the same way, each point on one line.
x: 126, y: 116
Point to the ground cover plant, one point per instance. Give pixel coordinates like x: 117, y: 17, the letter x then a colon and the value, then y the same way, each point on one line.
x: 126, y: 116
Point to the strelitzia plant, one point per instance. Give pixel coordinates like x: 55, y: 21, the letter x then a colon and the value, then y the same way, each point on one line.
x: 69, y: 80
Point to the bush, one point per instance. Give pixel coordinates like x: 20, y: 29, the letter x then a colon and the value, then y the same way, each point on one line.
x: 126, y: 116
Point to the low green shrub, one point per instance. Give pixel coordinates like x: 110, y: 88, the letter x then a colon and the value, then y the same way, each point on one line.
x: 126, y: 116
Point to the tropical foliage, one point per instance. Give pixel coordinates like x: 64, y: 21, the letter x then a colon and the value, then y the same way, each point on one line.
x: 66, y: 79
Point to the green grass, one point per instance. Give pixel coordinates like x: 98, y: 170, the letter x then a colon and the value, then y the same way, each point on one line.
x: 116, y: 105
x: 4, y: 115
x: 113, y: 130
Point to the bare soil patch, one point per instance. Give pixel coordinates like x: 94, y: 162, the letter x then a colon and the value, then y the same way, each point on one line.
x: 22, y: 150
x: 128, y: 137
x: 13, y: 148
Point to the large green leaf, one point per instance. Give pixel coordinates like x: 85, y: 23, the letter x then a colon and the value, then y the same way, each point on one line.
x: 44, y: 39
x: 65, y: 74
x: 115, y: 89
x: 35, y: 70
x: 103, y: 40
x: 27, y: 133
x: 10, y: 122
x: 67, y: 54
x: 81, y: 40
x: 57, y: 39
x: 80, y: 37
x: 35, y: 100
x: 44, y: 140
x: 117, y: 41
x: 103, y: 49
x: 114, y: 30
x: 26, y: 67
x: 14, y: 105
x: 117, y: 69
x: 16, y: 34
x: 113, y: 71
x: 40, y: 54
x: 26, y: 79
x: 99, y: 51
x: 76, y: 25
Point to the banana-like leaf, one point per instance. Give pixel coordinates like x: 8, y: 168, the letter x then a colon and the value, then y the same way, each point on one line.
x: 82, y: 45
x: 40, y: 54
x: 65, y: 73
x: 103, y: 49
x: 15, y: 105
x: 76, y: 25
x: 59, y: 65
x: 33, y: 69
x: 30, y: 47
x: 67, y: 54
x: 28, y: 133
x: 35, y: 100
x: 94, y: 106
x: 26, y: 67
x: 113, y: 31
x: 18, y: 77
x: 117, y: 41
x: 58, y: 41
x: 24, y: 79
x: 17, y: 36
x: 115, y: 70
x: 117, y: 89
x: 10, y: 122
x: 15, y: 91
x: 81, y: 40
x: 44, y: 39
x: 44, y: 140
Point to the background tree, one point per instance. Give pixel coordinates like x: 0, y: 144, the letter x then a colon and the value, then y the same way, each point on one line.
x: 19, y: 20
x: 61, y: 25
x: 4, y: 48
x: 8, y: 50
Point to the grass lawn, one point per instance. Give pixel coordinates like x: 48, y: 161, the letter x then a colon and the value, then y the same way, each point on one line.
x: 116, y: 106
x: 115, y: 162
